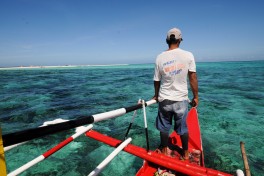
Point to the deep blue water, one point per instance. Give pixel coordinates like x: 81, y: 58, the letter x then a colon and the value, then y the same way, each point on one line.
x: 231, y: 110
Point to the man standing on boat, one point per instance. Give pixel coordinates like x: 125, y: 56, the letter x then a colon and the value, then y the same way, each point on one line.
x: 172, y: 69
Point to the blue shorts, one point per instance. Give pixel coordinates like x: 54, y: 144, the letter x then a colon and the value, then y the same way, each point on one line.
x: 176, y: 109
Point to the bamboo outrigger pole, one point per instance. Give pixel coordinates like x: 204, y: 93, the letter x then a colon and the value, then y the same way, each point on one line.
x: 50, y: 152
x: 2, y: 156
x: 244, y: 156
x: 29, y: 134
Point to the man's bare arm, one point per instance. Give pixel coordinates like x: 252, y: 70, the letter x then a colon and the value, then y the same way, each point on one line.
x: 156, y: 87
x: 194, y: 87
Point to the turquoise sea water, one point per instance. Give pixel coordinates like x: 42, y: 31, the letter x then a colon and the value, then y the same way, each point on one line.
x: 231, y: 110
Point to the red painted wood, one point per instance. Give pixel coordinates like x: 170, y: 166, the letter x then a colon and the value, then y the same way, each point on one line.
x: 57, y: 147
x: 159, y: 159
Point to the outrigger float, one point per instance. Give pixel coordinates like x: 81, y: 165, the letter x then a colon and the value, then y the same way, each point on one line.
x: 154, y: 163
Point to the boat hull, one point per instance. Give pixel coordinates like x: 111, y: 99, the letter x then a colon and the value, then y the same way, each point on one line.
x: 195, y: 146
x: 153, y: 160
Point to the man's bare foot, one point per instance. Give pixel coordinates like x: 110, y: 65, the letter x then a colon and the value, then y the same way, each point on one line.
x: 164, y: 150
x: 185, y: 155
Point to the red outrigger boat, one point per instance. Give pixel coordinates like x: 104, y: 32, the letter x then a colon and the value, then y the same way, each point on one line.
x: 152, y: 160
x: 195, y: 147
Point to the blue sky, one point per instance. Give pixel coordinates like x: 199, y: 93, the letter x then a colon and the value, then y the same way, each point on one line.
x: 77, y: 32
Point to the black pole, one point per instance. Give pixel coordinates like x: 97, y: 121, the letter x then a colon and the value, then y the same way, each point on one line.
x: 29, y: 134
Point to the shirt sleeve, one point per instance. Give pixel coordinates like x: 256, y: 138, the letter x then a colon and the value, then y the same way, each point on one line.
x: 192, y: 65
x: 157, y: 75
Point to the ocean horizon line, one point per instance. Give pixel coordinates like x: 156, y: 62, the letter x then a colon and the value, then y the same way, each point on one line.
x: 61, y: 66
x: 105, y: 65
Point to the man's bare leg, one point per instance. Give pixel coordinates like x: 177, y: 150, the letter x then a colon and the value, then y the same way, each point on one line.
x: 184, y: 140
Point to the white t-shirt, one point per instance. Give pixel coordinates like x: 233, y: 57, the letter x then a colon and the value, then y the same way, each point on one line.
x: 171, y: 69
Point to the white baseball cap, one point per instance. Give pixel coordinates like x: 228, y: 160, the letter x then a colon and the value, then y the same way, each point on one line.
x: 176, y: 32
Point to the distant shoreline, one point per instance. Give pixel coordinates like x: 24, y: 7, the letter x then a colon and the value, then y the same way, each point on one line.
x: 108, y: 65
x: 58, y: 66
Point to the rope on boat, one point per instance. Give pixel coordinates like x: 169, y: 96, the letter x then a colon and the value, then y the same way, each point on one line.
x: 132, y: 121
x: 26, y: 135
x: 110, y: 157
x: 50, y: 152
